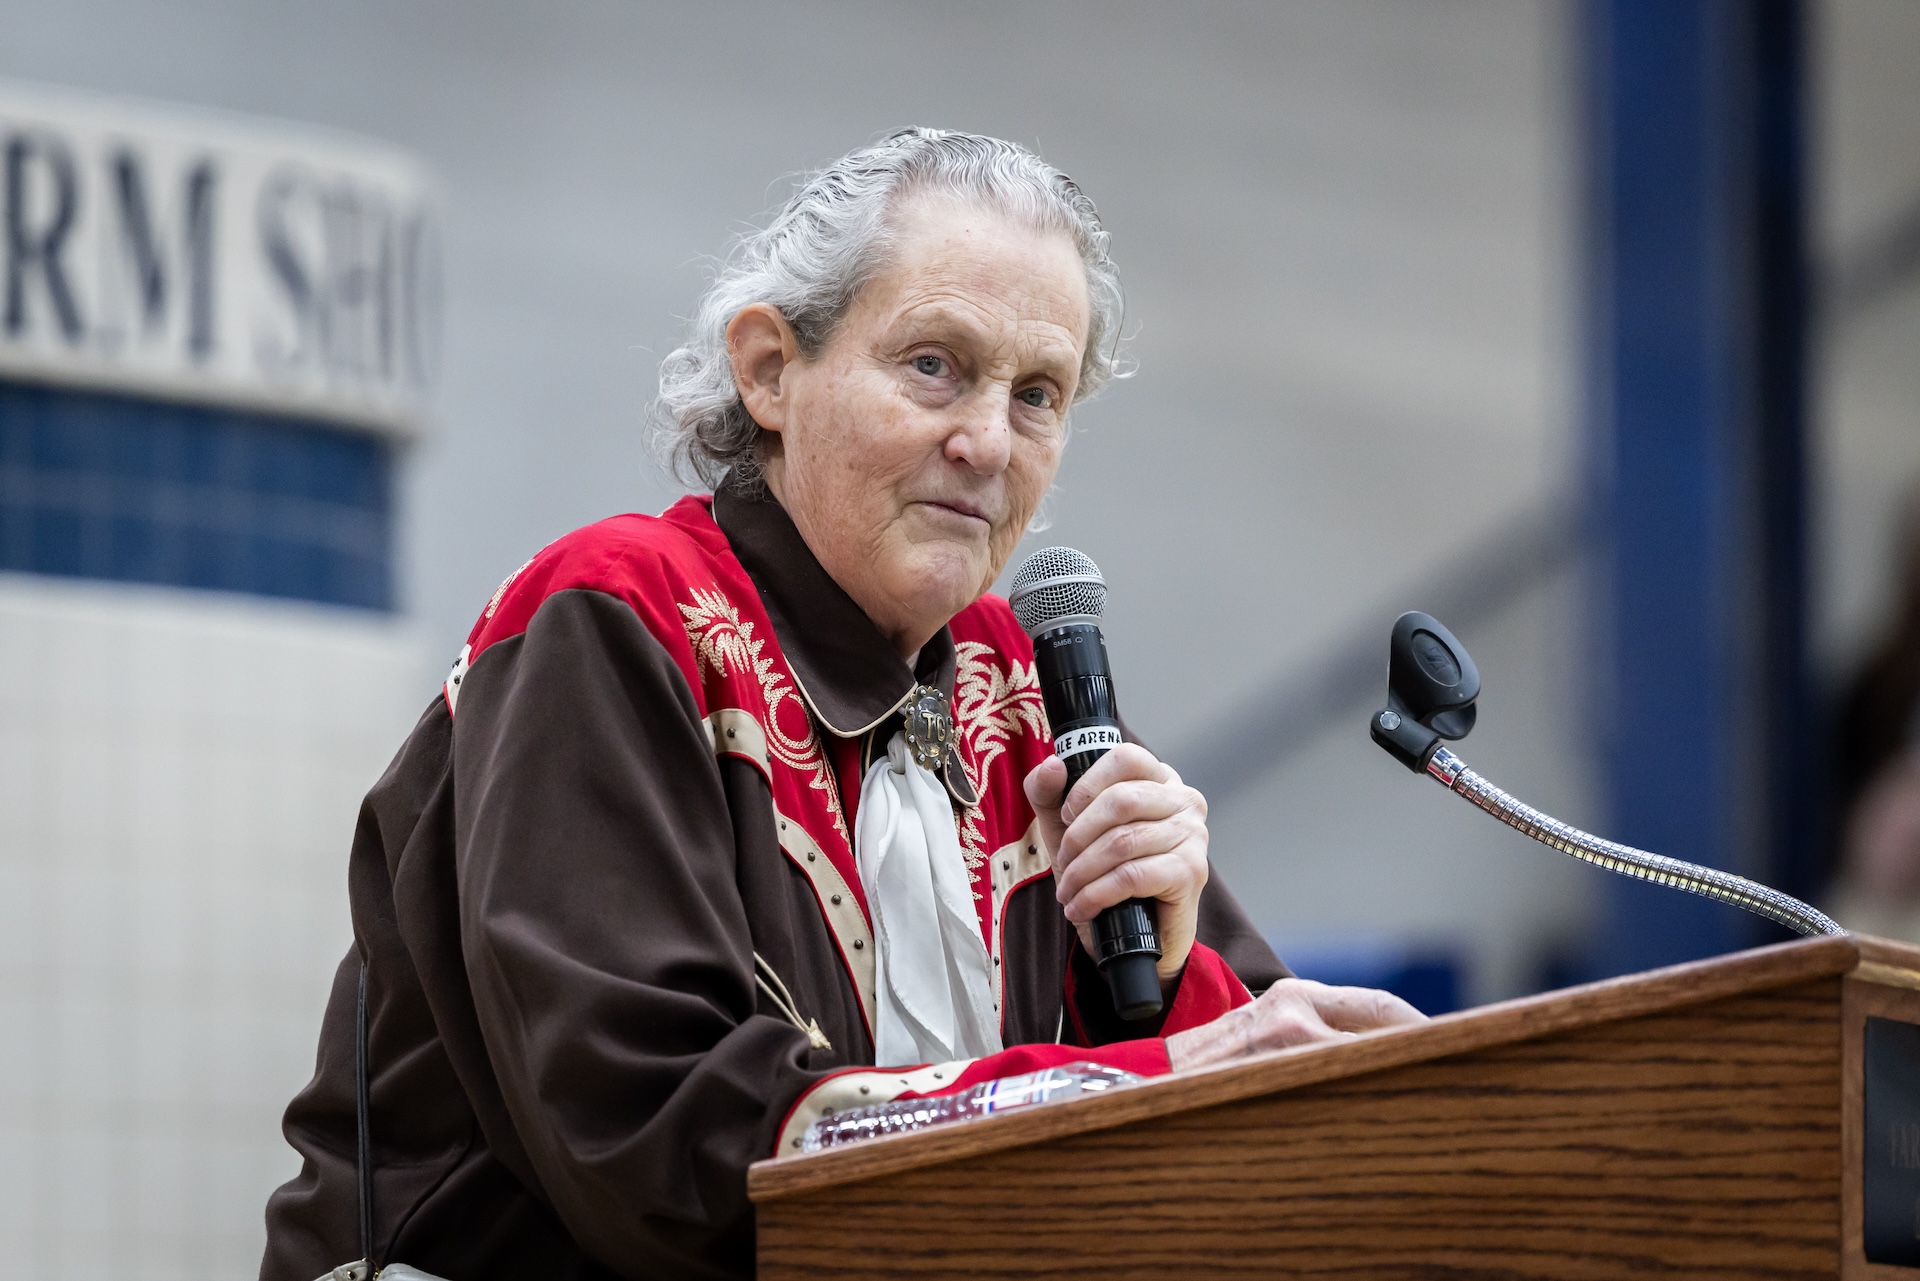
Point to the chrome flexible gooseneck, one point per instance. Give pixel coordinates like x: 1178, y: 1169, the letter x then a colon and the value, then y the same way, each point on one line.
x: 1710, y: 882
x: 1431, y: 688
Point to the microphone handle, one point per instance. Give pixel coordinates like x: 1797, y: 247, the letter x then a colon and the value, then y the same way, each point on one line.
x: 1076, y: 684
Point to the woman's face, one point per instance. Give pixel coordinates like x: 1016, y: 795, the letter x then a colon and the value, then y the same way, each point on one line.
x: 912, y: 449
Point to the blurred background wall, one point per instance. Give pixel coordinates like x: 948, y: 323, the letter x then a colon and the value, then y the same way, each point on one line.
x: 1359, y: 244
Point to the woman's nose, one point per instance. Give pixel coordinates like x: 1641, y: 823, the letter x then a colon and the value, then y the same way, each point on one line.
x: 983, y: 440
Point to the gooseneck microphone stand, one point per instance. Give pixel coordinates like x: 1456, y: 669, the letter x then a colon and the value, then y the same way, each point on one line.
x: 1431, y: 687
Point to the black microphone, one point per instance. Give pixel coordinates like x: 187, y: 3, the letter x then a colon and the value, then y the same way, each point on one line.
x: 1059, y: 596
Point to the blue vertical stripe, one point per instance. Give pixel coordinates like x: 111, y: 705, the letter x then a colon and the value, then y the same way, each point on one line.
x: 1696, y: 439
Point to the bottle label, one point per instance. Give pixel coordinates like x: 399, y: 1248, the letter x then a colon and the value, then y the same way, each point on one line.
x: 1088, y: 738
x: 1014, y: 1092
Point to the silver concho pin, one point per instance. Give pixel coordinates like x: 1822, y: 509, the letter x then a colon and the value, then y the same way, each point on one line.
x: 929, y: 727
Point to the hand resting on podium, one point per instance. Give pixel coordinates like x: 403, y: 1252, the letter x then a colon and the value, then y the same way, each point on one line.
x: 1130, y: 828
x: 1291, y: 1012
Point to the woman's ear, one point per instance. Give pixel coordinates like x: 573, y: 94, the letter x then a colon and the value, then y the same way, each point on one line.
x: 762, y: 347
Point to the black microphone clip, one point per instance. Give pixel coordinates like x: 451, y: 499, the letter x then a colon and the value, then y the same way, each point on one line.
x: 1431, y: 687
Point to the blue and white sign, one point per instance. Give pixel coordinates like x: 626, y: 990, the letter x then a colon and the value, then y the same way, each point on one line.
x: 192, y: 256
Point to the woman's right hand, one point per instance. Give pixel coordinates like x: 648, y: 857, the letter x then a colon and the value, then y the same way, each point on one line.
x: 1291, y: 1012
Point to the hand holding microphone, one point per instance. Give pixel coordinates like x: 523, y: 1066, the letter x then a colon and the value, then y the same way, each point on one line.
x: 1128, y: 839
x: 1129, y: 829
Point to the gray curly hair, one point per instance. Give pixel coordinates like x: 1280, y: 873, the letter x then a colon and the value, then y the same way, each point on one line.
x: 834, y: 235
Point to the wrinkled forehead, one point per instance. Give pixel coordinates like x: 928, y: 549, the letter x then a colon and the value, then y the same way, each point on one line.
x: 970, y: 264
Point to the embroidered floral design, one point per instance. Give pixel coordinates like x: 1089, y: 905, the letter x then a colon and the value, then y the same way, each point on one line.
x: 722, y: 642
x: 500, y: 592
x: 990, y: 705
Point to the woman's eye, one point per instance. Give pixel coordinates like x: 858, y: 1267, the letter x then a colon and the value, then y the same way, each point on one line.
x: 1036, y: 396
x: 931, y: 366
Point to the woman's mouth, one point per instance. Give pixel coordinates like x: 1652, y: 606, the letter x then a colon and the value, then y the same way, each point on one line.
x: 959, y: 507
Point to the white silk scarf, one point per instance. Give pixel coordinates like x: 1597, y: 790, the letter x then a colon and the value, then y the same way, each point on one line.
x: 933, y: 978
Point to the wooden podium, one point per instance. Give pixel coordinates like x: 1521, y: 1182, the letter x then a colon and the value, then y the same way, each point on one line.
x: 1704, y: 1120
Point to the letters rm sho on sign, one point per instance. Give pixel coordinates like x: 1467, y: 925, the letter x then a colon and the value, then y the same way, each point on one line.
x: 191, y: 255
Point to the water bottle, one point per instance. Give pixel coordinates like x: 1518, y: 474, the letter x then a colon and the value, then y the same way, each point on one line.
x: 902, y: 1116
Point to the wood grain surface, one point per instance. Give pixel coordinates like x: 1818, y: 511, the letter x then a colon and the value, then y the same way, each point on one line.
x: 1532, y: 1017
x: 1697, y: 1121
x: 1882, y: 987
x: 1701, y: 1141
x: 1885, y: 984
x: 1904, y: 956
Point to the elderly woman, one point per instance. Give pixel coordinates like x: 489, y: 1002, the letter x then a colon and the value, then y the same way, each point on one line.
x: 657, y: 881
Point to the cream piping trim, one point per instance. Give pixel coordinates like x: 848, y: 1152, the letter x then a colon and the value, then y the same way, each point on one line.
x: 855, y: 733
x: 861, y: 1089
x: 736, y: 733
x: 458, y: 674
x: 1010, y: 867
x: 837, y: 905
x: 783, y: 1001
x: 847, y: 733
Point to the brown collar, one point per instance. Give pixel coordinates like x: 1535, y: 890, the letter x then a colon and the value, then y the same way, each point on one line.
x: 851, y: 677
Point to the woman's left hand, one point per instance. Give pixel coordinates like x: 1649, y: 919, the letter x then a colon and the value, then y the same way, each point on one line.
x: 1129, y: 829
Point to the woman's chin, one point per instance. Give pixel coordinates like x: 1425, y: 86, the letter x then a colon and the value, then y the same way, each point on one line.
x: 941, y: 584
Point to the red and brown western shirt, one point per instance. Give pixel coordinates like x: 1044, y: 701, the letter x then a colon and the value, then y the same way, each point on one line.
x: 601, y: 864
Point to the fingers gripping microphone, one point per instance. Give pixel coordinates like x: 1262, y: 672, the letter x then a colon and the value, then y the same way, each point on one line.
x: 1059, y: 596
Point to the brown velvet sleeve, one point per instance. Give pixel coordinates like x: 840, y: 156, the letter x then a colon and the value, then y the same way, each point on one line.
x: 607, y: 942
x: 1225, y: 927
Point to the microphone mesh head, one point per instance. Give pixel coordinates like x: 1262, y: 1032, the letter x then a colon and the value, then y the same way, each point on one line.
x: 1056, y: 583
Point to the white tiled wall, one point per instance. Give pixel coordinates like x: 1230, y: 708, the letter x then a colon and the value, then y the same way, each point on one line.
x: 179, y: 778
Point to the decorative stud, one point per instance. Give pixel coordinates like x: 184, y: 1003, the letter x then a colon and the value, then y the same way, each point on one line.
x: 836, y: 900
x: 928, y: 728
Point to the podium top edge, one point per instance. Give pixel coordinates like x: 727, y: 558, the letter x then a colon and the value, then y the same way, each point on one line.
x: 1523, y: 1019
